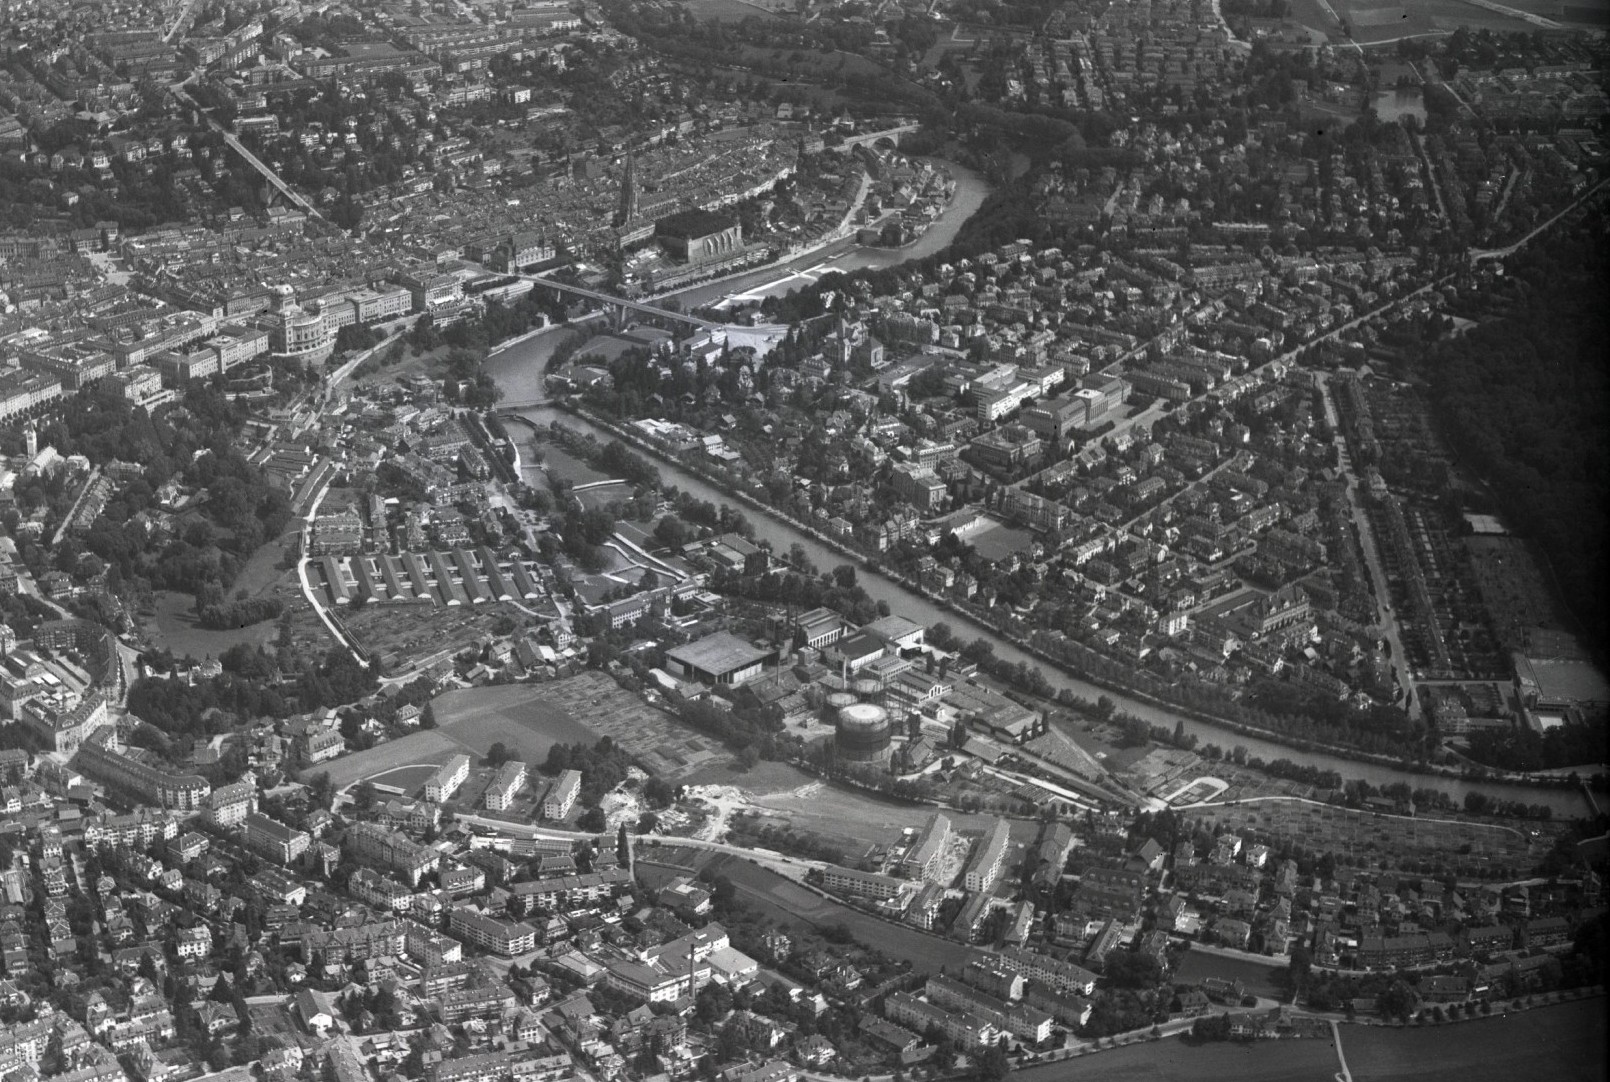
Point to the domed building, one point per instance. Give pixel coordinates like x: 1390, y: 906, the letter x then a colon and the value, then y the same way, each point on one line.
x: 296, y: 335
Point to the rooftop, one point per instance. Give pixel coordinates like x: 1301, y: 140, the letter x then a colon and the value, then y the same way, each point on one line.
x: 718, y: 653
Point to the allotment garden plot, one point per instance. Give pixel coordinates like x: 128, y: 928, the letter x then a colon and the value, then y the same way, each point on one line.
x: 1364, y: 839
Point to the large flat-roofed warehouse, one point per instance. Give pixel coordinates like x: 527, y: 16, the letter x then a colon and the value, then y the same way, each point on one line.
x: 721, y: 658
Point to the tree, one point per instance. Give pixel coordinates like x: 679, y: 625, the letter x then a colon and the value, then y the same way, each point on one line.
x: 365, y: 796
x: 672, y: 532
x: 748, y: 757
x: 592, y: 820
x: 322, y: 788
x: 498, y: 754
x: 993, y: 1066
x: 658, y: 793
x: 1398, y: 1001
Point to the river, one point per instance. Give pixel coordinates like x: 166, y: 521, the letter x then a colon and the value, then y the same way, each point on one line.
x: 846, y: 255
x: 519, y: 371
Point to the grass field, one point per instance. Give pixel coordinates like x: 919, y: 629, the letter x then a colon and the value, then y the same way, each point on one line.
x: 516, y: 715
x: 732, y: 11
x: 531, y: 718
x: 1173, y: 1059
x: 1565, y: 1043
x: 1373, y: 20
x: 562, y: 464
x: 175, y: 628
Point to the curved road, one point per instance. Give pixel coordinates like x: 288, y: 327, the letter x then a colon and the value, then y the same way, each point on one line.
x: 792, y: 867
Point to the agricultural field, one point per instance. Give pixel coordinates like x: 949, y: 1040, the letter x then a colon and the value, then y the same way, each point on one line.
x: 1564, y: 1043
x: 1177, y: 1059
x: 519, y: 716
x: 1363, y: 839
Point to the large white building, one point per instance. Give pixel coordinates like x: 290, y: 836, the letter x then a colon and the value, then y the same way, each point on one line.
x: 562, y: 795
x: 501, y: 793
x: 445, y: 782
x: 988, y: 859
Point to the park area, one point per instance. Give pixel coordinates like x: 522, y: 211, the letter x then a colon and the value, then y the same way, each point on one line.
x: 1564, y: 1043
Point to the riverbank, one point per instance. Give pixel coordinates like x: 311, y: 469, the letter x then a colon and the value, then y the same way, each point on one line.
x: 1027, y: 646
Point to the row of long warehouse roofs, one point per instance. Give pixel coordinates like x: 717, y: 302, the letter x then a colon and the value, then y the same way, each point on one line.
x: 459, y: 577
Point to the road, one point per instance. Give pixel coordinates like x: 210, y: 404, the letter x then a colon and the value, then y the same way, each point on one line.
x: 181, y: 21
x: 1204, y: 479
x: 308, y: 592
x: 1431, y: 174
x: 1379, y: 587
x: 1343, y: 1075
x: 67, y: 519
x: 792, y: 867
x: 1508, y: 250
x: 343, y: 373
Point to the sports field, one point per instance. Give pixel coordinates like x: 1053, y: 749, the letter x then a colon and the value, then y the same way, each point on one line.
x: 1565, y: 1043
x: 1174, y: 1059
x: 410, y: 779
x: 415, y: 748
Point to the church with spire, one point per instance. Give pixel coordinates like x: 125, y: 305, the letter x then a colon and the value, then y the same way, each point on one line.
x: 627, y: 213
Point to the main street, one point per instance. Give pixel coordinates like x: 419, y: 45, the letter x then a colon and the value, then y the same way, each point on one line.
x: 1380, y: 587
